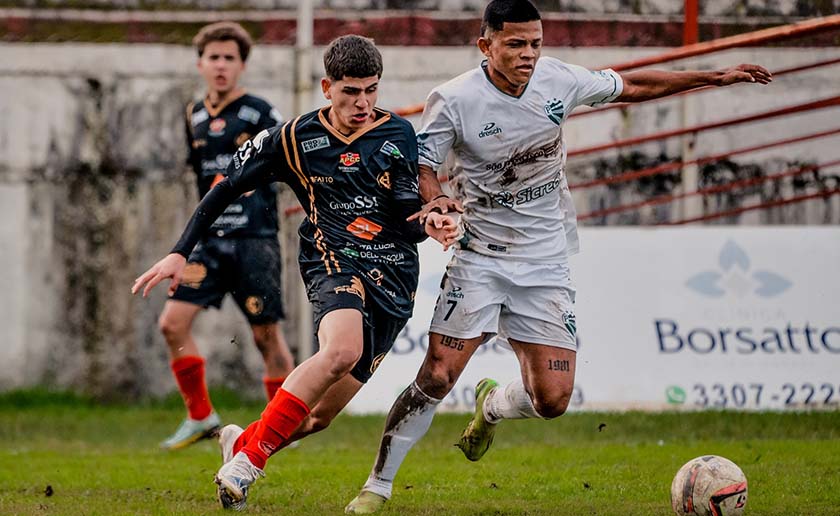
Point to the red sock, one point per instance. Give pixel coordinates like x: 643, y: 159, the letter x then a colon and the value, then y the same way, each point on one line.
x: 245, y: 437
x: 271, y: 385
x: 279, y: 420
x: 189, y: 373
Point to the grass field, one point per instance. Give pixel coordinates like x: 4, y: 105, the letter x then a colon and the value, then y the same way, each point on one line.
x: 64, y: 455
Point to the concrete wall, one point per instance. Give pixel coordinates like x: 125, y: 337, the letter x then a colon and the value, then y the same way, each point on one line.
x: 92, y: 191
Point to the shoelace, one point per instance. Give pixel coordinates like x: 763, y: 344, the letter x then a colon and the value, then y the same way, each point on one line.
x: 243, y: 469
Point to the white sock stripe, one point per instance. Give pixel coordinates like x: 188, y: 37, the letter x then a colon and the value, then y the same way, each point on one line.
x: 418, y: 389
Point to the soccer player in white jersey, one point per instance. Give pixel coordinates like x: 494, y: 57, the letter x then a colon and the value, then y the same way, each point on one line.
x: 510, y: 276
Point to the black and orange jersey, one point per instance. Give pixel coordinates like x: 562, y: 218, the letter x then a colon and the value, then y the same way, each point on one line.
x: 356, y: 191
x: 213, y: 135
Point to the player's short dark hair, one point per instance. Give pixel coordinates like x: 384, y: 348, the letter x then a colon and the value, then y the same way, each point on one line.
x: 352, y: 56
x: 224, y: 31
x: 498, y: 12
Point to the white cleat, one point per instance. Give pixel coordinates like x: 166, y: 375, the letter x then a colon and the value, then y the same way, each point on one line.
x: 192, y: 430
x: 227, y: 437
x: 234, y: 478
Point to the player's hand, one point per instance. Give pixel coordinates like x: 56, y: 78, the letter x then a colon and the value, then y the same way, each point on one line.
x: 442, y: 228
x: 443, y: 204
x: 172, y: 266
x: 745, y: 73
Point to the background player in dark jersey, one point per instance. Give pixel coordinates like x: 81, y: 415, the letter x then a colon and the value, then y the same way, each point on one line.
x: 353, y: 168
x: 239, y: 254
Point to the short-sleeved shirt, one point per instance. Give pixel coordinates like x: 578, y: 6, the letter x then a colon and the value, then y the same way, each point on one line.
x: 509, y: 156
x: 213, y: 135
x: 354, y: 190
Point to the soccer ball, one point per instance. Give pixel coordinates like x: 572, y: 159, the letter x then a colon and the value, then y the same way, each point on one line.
x: 709, y: 486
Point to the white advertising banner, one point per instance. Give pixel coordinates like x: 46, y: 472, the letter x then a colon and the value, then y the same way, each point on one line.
x: 701, y: 317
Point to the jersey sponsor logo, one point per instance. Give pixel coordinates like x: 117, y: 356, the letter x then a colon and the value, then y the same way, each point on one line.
x: 243, y: 154
x: 490, y: 129
x: 217, y: 127
x: 315, y: 144
x: 248, y: 114
x: 355, y: 287
x: 497, y: 248
x: 364, y: 228
x: 322, y: 179
x: 455, y: 293
x: 384, y: 180
x: 360, y: 202
x: 200, y: 116
x: 352, y: 253
x: 390, y: 149
x: 254, y: 305
x: 196, y: 144
x: 526, y: 195
x: 221, y: 162
x: 549, y: 149
x: 555, y: 110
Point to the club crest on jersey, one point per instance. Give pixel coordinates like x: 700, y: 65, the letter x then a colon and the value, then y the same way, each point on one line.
x: 217, y: 127
x: 555, y: 110
x: 348, y: 160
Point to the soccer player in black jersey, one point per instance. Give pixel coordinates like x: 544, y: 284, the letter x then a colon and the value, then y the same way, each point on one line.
x: 239, y: 253
x: 353, y: 168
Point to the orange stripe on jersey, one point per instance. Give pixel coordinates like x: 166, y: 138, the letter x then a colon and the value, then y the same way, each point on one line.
x: 217, y: 179
x: 313, y: 212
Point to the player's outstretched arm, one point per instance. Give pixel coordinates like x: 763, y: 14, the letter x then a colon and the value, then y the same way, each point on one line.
x: 432, y: 193
x: 644, y: 85
x: 171, y: 266
x: 442, y: 228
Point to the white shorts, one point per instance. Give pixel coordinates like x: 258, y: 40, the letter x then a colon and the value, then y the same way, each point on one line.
x: 527, y: 302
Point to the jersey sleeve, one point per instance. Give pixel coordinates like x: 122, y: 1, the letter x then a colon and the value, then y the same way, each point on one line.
x: 595, y: 87
x: 193, y: 160
x: 269, y: 118
x: 258, y: 162
x: 406, y: 192
x: 438, y: 131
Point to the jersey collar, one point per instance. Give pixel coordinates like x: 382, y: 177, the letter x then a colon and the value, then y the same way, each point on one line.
x: 214, y: 111
x: 508, y: 95
x: 382, y: 117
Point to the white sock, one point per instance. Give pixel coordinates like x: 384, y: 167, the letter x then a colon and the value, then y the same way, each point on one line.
x: 510, y: 402
x: 409, y: 420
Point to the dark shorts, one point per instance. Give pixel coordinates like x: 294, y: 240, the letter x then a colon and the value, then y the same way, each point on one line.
x: 247, y: 268
x: 346, y: 290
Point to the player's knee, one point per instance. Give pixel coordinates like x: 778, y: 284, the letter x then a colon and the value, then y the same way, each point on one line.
x: 551, y: 405
x: 341, y: 359
x: 436, y: 380
x: 266, y: 342
x: 172, y: 328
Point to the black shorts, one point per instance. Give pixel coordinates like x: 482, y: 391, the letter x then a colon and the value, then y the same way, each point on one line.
x: 247, y: 268
x: 346, y: 290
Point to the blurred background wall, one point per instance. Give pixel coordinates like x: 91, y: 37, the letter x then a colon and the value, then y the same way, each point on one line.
x: 93, y: 188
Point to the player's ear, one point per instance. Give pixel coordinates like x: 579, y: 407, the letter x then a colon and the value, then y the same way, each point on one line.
x: 483, y: 45
x: 325, y: 87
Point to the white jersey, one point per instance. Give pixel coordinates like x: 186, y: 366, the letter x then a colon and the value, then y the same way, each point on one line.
x: 509, y: 156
